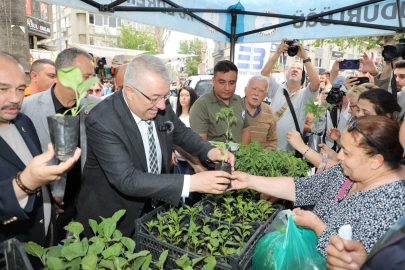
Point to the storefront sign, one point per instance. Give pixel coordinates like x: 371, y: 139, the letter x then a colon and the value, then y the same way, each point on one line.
x: 36, y: 26
x: 337, y: 54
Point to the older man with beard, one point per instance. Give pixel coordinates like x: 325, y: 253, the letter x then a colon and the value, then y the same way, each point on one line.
x: 294, y: 89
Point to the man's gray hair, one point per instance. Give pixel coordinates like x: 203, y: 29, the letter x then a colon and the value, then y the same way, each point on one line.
x: 260, y: 78
x: 140, y: 65
x: 67, y: 57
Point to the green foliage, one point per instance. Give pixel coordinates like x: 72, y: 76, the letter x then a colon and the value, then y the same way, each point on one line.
x: 106, y: 250
x: 72, y: 77
x: 254, y: 160
x: 186, y: 264
x: 344, y: 43
x: 130, y: 38
x: 315, y: 109
x: 191, y: 47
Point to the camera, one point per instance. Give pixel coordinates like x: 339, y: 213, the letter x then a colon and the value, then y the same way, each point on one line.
x: 335, y: 95
x: 391, y: 52
x: 292, y: 50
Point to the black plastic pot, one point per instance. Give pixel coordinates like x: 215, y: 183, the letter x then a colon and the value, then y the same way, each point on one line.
x: 64, y: 131
x: 226, y: 167
x: 314, y: 141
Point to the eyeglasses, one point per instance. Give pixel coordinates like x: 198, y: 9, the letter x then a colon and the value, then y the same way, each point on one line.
x: 97, y: 91
x: 353, y: 125
x: 154, y: 100
x: 353, y: 107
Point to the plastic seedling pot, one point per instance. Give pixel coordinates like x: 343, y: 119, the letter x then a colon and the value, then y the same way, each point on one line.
x: 314, y: 141
x: 226, y: 167
x: 64, y: 131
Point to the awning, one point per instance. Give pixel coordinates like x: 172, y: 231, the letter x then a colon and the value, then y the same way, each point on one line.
x: 168, y: 57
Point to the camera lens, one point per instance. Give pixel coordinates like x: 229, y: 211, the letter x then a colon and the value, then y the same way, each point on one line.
x: 356, y: 61
x: 292, y: 51
x: 389, y: 52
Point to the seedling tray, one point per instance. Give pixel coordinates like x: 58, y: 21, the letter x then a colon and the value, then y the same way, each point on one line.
x: 146, y: 240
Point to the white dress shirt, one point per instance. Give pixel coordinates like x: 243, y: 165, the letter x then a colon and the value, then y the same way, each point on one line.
x: 143, y: 129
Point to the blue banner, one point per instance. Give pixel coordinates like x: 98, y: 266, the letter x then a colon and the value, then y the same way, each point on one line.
x: 382, y: 13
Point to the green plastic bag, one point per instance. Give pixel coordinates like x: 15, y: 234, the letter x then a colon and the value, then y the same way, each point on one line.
x: 288, y: 248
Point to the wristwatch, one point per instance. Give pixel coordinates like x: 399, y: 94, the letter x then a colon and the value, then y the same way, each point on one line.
x: 306, y: 60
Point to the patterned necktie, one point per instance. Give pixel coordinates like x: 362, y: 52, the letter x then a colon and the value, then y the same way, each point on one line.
x: 153, y: 163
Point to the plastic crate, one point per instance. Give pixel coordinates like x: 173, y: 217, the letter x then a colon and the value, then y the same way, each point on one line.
x: 146, y: 241
x: 13, y: 256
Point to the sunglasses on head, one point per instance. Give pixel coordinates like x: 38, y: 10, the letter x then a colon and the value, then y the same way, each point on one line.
x: 97, y: 91
x: 353, y: 125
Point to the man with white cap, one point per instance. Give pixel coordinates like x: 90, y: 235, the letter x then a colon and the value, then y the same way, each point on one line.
x: 335, y: 118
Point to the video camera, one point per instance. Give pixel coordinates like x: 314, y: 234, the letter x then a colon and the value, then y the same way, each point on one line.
x: 391, y: 52
x: 335, y: 95
x: 292, y: 50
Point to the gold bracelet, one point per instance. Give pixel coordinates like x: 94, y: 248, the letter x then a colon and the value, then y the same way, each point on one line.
x: 306, y: 151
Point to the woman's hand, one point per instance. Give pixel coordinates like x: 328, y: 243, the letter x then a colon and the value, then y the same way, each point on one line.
x: 308, y: 219
x: 294, y: 138
x: 344, y: 254
x: 268, y: 198
x: 239, y: 180
x: 332, y: 155
x: 174, y: 160
x: 333, y: 133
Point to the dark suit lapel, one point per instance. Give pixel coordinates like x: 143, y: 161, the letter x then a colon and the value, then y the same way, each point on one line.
x: 162, y: 135
x: 130, y: 127
x: 27, y: 135
x: 8, y: 153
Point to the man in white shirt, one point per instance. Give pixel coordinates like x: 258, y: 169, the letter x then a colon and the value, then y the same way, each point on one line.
x: 298, y: 94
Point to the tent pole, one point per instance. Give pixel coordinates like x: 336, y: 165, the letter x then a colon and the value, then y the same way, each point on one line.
x: 233, y: 37
x: 399, y: 18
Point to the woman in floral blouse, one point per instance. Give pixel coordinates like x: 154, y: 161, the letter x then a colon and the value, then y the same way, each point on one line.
x: 366, y: 190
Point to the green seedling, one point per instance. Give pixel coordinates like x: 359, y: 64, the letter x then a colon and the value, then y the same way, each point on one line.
x: 315, y: 109
x: 186, y: 264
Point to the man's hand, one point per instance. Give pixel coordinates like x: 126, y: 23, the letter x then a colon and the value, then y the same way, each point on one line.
x: 350, y: 82
x: 38, y: 173
x: 215, y: 155
x: 301, y: 51
x: 215, y: 182
x: 368, y: 64
x: 283, y: 47
x: 174, y: 160
x: 58, y: 204
x: 344, y: 254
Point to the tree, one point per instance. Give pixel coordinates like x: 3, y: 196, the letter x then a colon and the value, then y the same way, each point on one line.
x: 191, y: 47
x: 162, y: 36
x: 130, y: 38
x: 344, y: 43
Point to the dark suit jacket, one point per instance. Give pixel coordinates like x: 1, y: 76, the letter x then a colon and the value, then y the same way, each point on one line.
x: 22, y: 223
x: 115, y: 174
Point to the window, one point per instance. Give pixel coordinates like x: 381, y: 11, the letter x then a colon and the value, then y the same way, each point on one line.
x: 91, y: 40
x: 62, y: 23
x: 282, y: 59
x: 318, y: 62
x: 98, y: 20
x: 119, y: 23
x: 91, y: 18
x: 113, y: 22
x: 36, y: 9
x: 106, y: 20
x: 67, y: 21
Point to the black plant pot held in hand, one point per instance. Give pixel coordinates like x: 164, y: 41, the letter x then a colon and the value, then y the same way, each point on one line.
x: 64, y: 131
x: 314, y: 141
x: 226, y: 167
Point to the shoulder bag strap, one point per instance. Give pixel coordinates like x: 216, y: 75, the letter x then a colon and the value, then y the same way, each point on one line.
x: 287, y: 97
x: 281, y: 111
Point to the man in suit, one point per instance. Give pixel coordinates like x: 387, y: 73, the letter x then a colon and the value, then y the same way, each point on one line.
x: 26, y: 212
x: 130, y: 143
x: 58, y: 99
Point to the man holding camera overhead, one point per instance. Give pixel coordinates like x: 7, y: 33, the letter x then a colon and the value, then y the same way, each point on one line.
x: 291, y: 89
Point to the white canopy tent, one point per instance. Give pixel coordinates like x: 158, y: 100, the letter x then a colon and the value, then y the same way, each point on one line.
x: 121, y: 55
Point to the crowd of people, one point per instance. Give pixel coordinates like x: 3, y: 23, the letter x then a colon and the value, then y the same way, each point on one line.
x: 137, y: 149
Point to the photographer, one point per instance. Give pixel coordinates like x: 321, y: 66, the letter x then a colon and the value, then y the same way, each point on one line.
x: 292, y: 89
x: 336, y: 117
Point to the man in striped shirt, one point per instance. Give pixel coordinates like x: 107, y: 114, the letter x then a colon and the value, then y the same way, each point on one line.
x: 262, y: 122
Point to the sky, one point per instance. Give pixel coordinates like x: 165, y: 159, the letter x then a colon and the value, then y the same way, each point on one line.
x: 172, y: 45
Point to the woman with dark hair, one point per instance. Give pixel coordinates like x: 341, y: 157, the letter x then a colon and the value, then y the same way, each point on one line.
x: 378, y: 102
x: 366, y: 189
x: 185, y: 99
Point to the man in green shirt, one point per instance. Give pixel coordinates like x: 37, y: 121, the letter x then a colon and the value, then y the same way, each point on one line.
x: 203, y: 112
